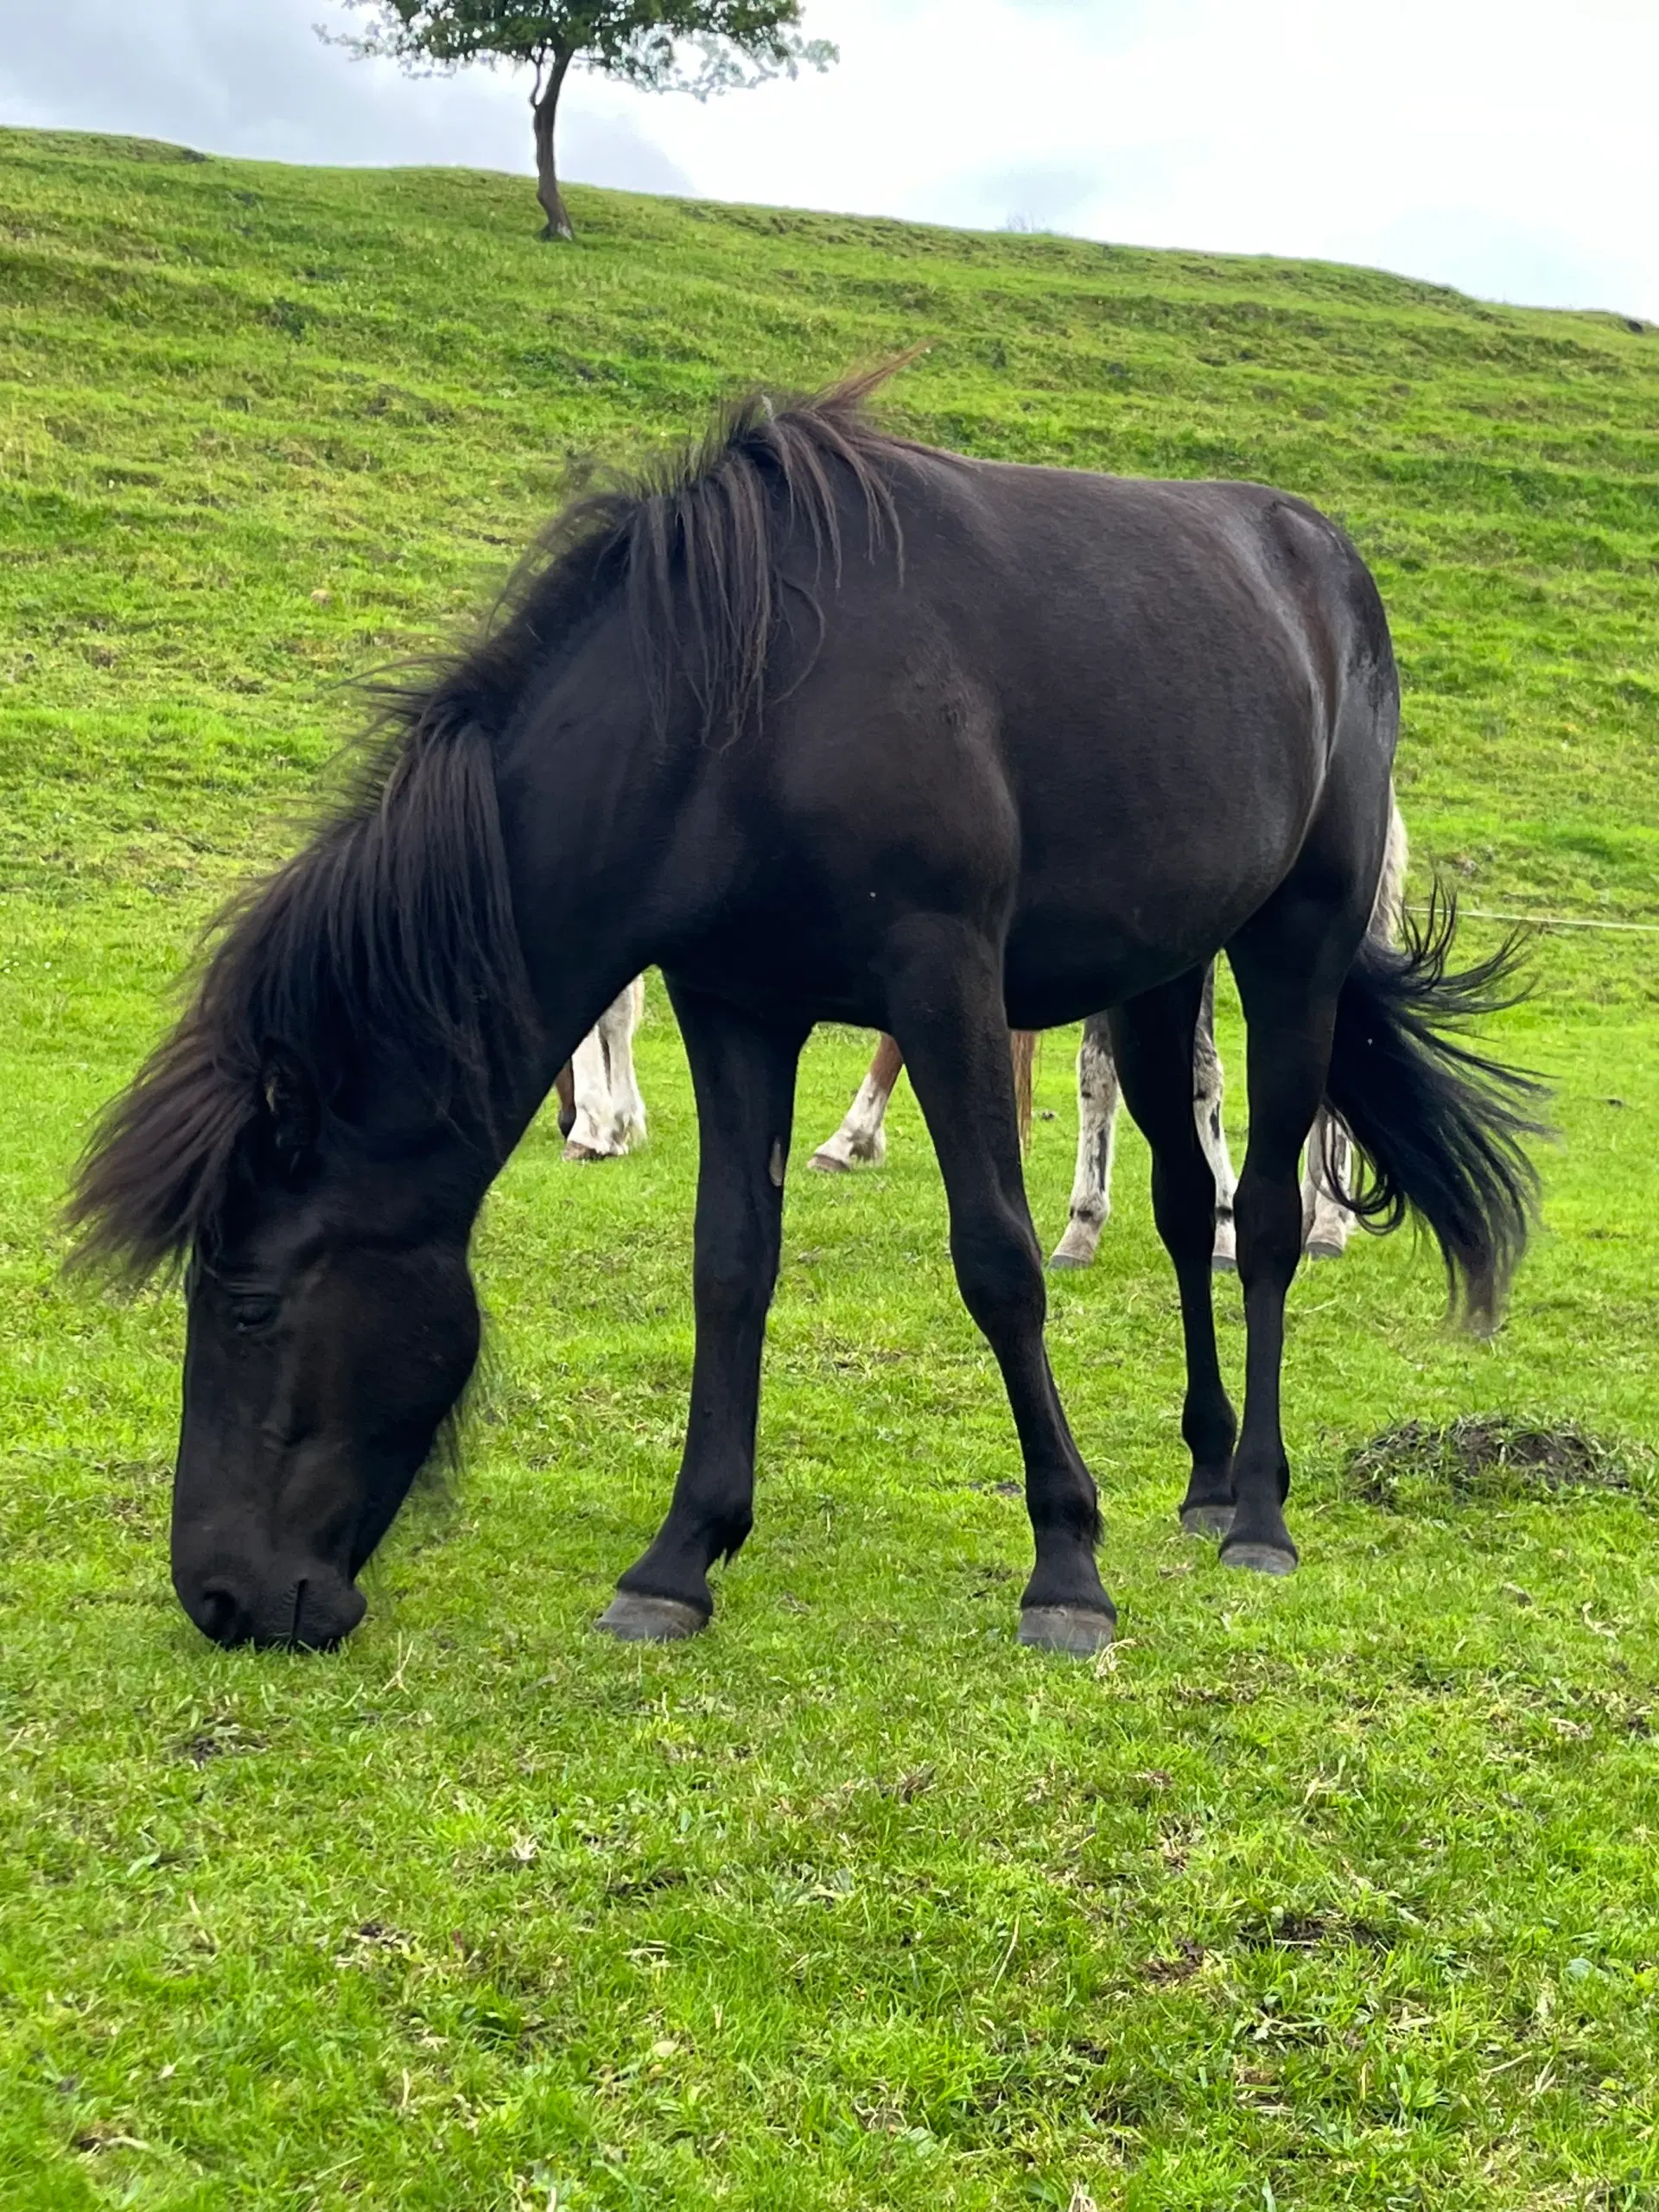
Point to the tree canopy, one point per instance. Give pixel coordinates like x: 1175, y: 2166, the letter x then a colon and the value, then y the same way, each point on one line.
x: 700, y: 47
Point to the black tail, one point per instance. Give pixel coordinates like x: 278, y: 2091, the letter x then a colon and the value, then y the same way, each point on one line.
x: 1443, y: 1128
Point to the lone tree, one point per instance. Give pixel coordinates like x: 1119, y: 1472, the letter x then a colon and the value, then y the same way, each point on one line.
x: 699, y: 46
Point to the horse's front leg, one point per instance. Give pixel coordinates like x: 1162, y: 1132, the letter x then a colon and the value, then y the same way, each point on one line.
x: 945, y: 1000
x: 743, y: 1072
x: 609, y: 1114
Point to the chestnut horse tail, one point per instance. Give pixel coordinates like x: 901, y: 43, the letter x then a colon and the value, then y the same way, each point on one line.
x: 1022, y: 1051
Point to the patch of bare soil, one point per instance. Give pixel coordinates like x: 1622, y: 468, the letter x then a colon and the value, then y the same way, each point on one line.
x: 1488, y: 1456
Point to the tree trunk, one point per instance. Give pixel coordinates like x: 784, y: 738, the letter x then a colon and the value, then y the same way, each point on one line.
x: 544, y: 108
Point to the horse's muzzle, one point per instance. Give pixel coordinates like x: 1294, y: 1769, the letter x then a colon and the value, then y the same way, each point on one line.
x: 306, y: 1605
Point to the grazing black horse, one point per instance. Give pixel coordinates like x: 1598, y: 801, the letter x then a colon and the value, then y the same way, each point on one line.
x: 829, y: 726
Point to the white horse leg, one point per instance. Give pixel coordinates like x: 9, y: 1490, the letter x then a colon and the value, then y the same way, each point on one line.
x: 610, y: 1113
x: 616, y: 1030
x: 861, y: 1139
x: 1326, y: 1222
x: 1091, y: 1187
x: 1206, y: 1113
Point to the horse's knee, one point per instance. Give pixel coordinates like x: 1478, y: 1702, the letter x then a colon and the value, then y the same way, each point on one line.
x: 999, y: 1273
x: 1268, y: 1225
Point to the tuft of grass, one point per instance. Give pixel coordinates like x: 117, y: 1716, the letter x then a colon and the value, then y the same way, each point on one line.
x: 1331, y: 1893
x: 1489, y: 1457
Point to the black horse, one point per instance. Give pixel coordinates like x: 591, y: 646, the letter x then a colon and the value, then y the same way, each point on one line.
x: 828, y: 726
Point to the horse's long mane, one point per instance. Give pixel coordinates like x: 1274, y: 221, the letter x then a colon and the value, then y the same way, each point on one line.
x: 393, y: 926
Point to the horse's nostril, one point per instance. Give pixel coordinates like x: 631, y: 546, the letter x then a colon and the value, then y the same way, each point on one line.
x: 218, y: 1614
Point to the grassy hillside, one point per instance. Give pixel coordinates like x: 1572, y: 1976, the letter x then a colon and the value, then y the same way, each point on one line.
x: 1340, y: 1893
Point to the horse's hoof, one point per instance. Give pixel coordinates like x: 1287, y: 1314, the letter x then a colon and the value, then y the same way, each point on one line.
x: 637, y: 1619
x: 1207, y: 1520
x: 1223, y: 1263
x: 1259, y: 1559
x: 1063, y: 1261
x: 1076, y: 1628
x: 1322, y: 1248
x: 827, y: 1164
x: 584, y: 1153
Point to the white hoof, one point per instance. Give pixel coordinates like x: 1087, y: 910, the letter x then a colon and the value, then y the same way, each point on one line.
x: 1076, y: 1249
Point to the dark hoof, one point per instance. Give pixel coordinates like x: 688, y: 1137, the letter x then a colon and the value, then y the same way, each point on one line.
x: 1076, y: 1628
x: 827, y: 1164
x: 1207, y: 1520
x: 583, y: 1152
x: 637, y: 1619
x: 1259, y: 1559
x: 1321, y: 1248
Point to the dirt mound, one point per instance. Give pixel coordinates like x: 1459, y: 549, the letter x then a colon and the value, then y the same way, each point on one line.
x: 1490, y: 1456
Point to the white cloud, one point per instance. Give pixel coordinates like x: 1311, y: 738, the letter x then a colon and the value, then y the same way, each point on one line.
x: 1506, y: 146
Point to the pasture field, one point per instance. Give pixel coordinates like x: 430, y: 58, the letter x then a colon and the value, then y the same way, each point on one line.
x: 1334, y: 1893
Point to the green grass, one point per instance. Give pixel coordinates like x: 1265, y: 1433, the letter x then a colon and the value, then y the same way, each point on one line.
x: 1336, y: 1892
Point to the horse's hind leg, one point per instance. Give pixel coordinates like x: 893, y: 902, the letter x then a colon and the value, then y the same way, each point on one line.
x: 945, y: 1000
x: 743, y: 1072
x: 1290, y: 962
x: 1153, y: 1037
x: 1091, y: 1185
x: 861, y: 1137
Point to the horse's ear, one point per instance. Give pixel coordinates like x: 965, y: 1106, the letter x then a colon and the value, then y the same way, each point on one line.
x: 293, y: 1109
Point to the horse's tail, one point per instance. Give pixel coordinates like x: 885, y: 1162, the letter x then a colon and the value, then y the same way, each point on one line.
x: 1022, y: 1051
x: 1442, y: 1128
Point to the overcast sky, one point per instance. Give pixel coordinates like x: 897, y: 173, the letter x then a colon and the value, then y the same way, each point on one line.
x: 1509, y: 147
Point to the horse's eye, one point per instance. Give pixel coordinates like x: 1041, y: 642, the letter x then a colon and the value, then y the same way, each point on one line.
x: 253, y: 1311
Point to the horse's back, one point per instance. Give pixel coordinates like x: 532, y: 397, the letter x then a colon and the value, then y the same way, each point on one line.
x: 1112, y: 704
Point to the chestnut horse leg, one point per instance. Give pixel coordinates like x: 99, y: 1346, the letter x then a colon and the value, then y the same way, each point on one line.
x: 861, y: 1139
x: 565, y: 1085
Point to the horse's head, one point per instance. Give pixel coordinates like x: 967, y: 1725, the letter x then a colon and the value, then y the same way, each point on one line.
x: 331, y: 1328
x: 315, y: 1138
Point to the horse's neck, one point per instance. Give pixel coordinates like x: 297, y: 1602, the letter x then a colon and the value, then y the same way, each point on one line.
x: 593, y: 824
